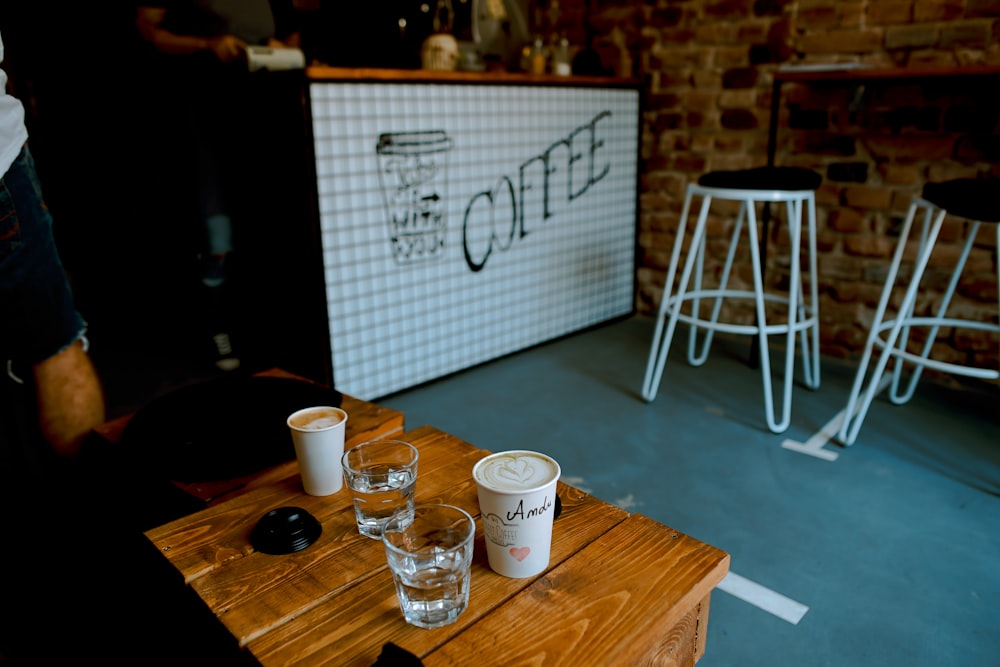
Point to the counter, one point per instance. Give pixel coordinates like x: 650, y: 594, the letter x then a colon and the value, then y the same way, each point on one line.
x: 466, y: 216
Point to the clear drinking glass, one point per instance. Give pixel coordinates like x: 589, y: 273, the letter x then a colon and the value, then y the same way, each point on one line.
x: 429, y: 551
x: 381, y: 476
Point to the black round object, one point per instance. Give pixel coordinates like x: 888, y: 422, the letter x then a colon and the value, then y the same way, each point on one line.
x: 220, y: 429
x: 971, y: 198
x: 763, y: 178
x: 285, y: 530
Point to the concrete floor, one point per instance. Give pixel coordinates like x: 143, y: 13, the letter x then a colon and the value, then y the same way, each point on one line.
x: 886, y: 555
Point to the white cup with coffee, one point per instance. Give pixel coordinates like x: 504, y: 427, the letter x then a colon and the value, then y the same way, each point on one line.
x: 318, y: 435
x: 517, y: 500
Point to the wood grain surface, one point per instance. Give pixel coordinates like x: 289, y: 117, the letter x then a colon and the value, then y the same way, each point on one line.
x: 620, y: 588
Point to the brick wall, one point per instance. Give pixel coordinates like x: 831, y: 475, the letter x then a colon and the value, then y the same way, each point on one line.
x: 706, y: 68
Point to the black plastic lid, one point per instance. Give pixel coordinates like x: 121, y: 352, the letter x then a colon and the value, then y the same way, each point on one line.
x: 285, y: 530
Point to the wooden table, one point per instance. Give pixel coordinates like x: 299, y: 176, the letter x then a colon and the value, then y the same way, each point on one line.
x: 620, y: 588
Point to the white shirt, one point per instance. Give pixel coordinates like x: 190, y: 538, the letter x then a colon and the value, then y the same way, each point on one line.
x: 13, y: 133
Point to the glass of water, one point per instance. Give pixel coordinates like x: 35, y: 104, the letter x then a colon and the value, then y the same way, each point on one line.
x: 429, y: 550
x: 381, y: 476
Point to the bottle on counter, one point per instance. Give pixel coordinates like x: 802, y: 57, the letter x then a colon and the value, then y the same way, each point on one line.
x: 537, y: 57
x: 561, y: 58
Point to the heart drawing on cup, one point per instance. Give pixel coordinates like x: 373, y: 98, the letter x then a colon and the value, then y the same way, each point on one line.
x: 516, y: 470
x: 520, y: 553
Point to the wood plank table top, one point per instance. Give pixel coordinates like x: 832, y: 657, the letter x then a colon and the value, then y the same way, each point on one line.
x: 620, y: 588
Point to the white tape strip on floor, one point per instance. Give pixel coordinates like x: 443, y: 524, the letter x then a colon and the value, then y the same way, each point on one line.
x: 814, y: 445
x: 764, y: 598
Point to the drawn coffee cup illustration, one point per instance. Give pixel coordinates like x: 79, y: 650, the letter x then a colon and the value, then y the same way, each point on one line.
x: 413, y: 174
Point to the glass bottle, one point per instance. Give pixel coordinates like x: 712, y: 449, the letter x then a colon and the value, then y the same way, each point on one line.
x: 537, y: 60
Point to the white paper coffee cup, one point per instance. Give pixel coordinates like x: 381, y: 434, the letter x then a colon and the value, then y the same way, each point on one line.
x: 318, y: 435
x: 517, y: 500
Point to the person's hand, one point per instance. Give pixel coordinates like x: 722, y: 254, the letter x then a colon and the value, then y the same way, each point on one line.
x: 227, y: 48
x: 293, y: 41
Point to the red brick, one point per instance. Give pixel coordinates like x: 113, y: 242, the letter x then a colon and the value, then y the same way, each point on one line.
x: 938, y: 10
x: 734, y: 161
x: 838, y: 266
x: 852, y: 14
x: 846, y: 220
x: 732, y: 56
x: 987, y: 238
x: 691, y: 164
x: 703, y: 79
x: 752, y: 32
x: 900, y: 173
x: 901, y: 199
x: 911, y: 36
x: 730, y: 99
x: 817, y: 18
x: 886, y: 12
x: 842, y: 41
x: 701, y: 143
x: 717, y: 32
x: 929, y: 148
x: 982, y: 289
x: 699, y: 100
x: 728, y: 9
x: 966, y: 33
x: 672, y: 57
x: 826, y: 240
x: 654, y: 201
x: 866, y: 197
x: 868, y: 246
x: 932, y: 57
x: 952, y: 231
x: 828, y: 194
x: 857, y: 292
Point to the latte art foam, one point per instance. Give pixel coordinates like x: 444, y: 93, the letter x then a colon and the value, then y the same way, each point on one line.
x: 316, y: 420
x: 515, y: 471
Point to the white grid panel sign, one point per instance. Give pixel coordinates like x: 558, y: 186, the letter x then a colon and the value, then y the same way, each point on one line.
x: 461, y: 223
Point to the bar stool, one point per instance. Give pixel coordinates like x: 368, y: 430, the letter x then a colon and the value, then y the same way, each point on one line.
x: 977, y: 202
x: 763, y: 186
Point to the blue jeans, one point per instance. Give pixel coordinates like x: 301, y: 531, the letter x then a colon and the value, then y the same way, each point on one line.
x: 38, y: 316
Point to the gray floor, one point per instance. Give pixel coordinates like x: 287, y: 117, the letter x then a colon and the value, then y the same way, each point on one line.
x: 892, y: 547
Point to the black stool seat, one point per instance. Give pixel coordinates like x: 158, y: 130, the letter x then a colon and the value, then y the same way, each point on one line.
x: 971, y: 198
x: 763, y: 178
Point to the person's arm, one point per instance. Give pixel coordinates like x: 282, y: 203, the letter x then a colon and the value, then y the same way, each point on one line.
x: 149, y: 22
x: 70, y: 399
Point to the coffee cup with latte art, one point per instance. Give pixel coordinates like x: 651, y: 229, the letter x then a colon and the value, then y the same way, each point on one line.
x: 517, y: 500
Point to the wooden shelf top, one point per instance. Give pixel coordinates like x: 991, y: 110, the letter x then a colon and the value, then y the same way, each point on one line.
x: 325, y: 73
x: 836, y: 72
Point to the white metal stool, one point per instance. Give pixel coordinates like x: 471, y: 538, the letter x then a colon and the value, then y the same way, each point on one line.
x: 976, y: 201
x: 762, y: 186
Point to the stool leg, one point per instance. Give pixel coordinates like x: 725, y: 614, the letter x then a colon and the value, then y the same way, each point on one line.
x: 810, y: 335
x: 852, y: 423
x: 794, y: 215
x: 664, y: 332
x: 898, y: 362
x: 765, y: 357
x: 699, y: 358
x: 895, y: 396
